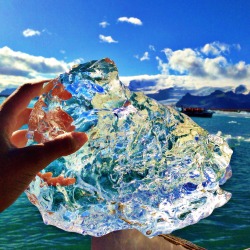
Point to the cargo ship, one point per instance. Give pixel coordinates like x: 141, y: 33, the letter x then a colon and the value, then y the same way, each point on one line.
x: 197, y: 112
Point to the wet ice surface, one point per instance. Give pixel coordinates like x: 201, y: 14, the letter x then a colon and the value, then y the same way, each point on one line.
x: 145, y: 166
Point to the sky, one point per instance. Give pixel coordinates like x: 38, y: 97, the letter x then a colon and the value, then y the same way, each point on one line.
x: 186, y: 43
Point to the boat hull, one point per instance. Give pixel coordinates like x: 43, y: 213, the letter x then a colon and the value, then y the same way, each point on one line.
x: 204, y: 114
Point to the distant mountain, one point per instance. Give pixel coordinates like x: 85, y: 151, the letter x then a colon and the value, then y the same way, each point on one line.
x: 217, y: 100
x: 7, y: 92
x: 176, y: 93
x: 173, y: 94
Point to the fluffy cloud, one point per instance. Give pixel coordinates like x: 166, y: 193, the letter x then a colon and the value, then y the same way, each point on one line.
x: 31, y: 32
x: 132, y: 20
x: 18, y: 67
x: 184, y: 61
x: 197, y: 63
x: 104, y: 24
x: 145, y: 56
x: 197, y: 85
x: 107, y: 39
x: 200, y: 70
x: 217, y: 48
x: 163, y: 67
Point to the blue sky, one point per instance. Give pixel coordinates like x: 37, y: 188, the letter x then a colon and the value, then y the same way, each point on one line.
x: 192, y: 43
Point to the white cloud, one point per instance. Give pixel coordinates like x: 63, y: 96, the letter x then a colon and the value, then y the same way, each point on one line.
x: 184, y: 61
x: 18, y: 67
x: 202, y: 86
x: 209, y: 49
x: 31, y: 32
x: 107, y: 39
x: 132, y: 20
x: 151, y: 47
x: 187, y: 68
x: 76, y: 61
x: 145, y: 56
x: 104, y: 24
x: 215, y: 48
x: 195, y: 62
x: 163, y: 67
x: 206, y: 67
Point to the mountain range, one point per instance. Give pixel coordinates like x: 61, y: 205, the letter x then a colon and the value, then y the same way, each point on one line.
x: 206, y: 97
x: 228, y: 98
x: 173, y: 94
x: 217, y: 100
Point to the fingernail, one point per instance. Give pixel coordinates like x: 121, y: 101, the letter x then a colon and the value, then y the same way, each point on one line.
x: 80, y: 138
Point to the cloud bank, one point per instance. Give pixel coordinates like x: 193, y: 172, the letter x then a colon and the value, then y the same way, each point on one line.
x: 197, y: 69
x: 18, y: 67
x: 210, y: 61
x: 201, y: 69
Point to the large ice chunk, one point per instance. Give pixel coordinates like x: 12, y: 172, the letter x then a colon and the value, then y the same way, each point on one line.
x: 145, y: 166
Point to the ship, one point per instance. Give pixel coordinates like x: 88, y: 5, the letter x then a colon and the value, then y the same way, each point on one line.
x: 197, y: 112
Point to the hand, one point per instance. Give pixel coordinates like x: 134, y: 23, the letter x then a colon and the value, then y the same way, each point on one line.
x: 19, y: 164
x: 133, y: 239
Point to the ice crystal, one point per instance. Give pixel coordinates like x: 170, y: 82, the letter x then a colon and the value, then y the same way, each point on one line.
x: 145, y: 166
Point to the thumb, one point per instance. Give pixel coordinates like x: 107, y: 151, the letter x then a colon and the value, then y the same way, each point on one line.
x: 37, y: 157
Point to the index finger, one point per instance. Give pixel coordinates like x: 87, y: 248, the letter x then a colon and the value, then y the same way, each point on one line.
x: 20, y: 99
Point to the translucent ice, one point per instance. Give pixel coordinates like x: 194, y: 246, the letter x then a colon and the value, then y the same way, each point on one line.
x: 145, y: 166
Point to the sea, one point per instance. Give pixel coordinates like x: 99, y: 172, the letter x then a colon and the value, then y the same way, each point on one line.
x: 228, y: 228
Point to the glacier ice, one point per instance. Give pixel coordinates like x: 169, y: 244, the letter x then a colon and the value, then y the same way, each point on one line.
x: 145, y: 166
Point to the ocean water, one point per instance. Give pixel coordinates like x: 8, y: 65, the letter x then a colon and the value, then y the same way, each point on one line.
x: 21, y: 226
x: 229, y: 226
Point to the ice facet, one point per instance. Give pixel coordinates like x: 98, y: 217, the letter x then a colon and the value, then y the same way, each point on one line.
x: 145, y: 166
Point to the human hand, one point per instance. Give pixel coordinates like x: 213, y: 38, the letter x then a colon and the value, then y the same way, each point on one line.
x: 133, y: 239
x: 19, y: 164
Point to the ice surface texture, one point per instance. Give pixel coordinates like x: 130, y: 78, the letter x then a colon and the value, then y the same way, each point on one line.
x: 145, y: 166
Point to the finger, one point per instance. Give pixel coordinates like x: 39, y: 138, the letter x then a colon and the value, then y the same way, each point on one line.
x: 21, y: 119
x: 19, y: 139
x: 49, y: 85
x: 17, y: 102
x: 18, y: 122
x: 36, y: 157
x: 20, y: 99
